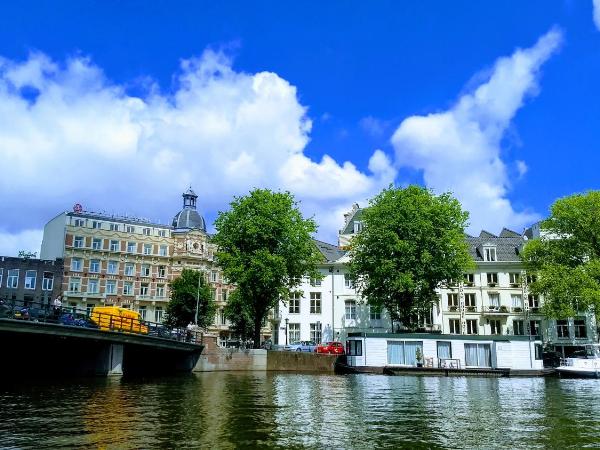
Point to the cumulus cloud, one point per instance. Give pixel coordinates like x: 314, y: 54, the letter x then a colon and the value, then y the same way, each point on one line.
x: 68, y: 134
x: 459, y: 150
x: 596, y: 7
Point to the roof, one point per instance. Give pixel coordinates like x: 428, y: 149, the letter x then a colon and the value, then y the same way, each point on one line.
x: 446, y: 337
x: 330, y: 252
x: 116, y: 218
x: 508, y: 245
x: 188, y: 218
x: 356, y: 216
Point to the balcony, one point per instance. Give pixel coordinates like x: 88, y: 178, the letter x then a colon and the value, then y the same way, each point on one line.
x: 453, y: 308
x: 496, y: 311
x: 274, y: 316
x: 471, y: 308
x: 517, y: 309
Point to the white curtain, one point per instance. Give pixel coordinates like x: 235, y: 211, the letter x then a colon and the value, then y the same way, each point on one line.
x: 410, y: 352
x: 395, y: 352
x: 478, y: 355
x: 444, y: 350
x: 485, y: 354
x: 471, y: 354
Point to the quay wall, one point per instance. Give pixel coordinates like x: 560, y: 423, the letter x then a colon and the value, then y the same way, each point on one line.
x: 301, y: 362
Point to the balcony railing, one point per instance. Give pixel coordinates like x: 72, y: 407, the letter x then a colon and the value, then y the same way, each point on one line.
x: 471, y: 308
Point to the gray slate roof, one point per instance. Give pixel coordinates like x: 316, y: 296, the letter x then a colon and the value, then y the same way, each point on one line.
x: 330, y: 252
x: 508, y: 245
x: 349, y: 228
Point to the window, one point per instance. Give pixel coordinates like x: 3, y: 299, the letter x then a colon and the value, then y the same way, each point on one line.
x: 315, y: 303
x: 30, y: 278
x: 131, y: 247
x: 444, y: 350
x: 162, y: 233
x: 495, y: 327
x: 1, y: 273
x: 374, y: 312
x: 12, y: 278
x: 404, y: 352
x: 78, y: 222
x: 96, y: 224
x: 158, y: 314
x: 114, y: 245
x: 160, y: 290
x: 128, y: 288
x: 112, y: 267
x: 223, y: 295
x: 518, y: 328
x: 514, y: 278
x: 92, y: 287
x: 534, y: 302
x: 580, y: 329
x: 142, y: 310
x: 492, y: 279
x: 517, y: 302
x: 294, y: 305
x: 129, y: 269
x: 354, y: 348
x: 531, y: 279
x: 222, y: 319
x: 315, y: 281
x: 146, y: 231
x: 161, y: 271
x: 534, y: 327
x: 47, y: 281
x: 562, y: 329
x: 470, y: 300
x: 472, y: 326
x: 350, y: 310
x: 74, y: 284
x: 162, y: 250
x: 214, y: 276
x: 113, y: 227
x: 94, y: 265
x: 478, y: 355
x: 316, y: 332
x: 145, y: 270
x: 469, y: 279
x: 147, y: 249
x: 76, y: 264
x: 454, y: 326
x: 347, y: 280
x: 490, y: 254
x: 494, y: 298
x: 358, y: 226
x: 78, y: 242
x: 293, y: 332
x: 129, y: 229
x: 144, y: 290
x: 452, y: 302
x: 111, y: 287
x: 97, y: 244
x: 539, y: 352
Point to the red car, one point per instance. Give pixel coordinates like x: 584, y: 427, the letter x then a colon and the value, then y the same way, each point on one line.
x: 333, y: 348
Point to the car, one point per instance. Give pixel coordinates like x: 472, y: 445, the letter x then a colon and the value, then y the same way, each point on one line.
x: 301, y: 346
x: 332, y: 348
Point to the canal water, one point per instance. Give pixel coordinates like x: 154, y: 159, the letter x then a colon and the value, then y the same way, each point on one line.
x: 258, y: 410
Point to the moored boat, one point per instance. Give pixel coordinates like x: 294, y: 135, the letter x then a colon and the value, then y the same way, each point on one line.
x: 583, y: 364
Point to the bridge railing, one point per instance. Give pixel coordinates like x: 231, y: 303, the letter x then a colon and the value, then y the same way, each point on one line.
x: 88, y: 318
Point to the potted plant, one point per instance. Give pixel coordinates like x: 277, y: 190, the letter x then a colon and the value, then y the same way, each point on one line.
x: 503, y: 309
x: 419, y: 357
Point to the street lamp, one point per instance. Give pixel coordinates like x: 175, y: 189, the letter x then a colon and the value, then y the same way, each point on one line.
x: 286, y: 330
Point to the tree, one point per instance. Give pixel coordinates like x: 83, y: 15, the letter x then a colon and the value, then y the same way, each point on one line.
x: 411, y: 242
x: 566, y: 258
x: 264, y: 247
x: 188, y: 290
x: 238, y: 313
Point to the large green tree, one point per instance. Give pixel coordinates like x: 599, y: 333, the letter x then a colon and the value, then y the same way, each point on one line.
x: 264, y: 247
x: 238, y: 312
x: 566, y: 258
x: 411, y: 242
x: 187, y: 291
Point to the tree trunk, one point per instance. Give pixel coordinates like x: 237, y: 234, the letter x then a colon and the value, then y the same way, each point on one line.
x: 257, y: 327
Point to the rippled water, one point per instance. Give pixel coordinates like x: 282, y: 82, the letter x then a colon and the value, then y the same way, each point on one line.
x: 226, y: 410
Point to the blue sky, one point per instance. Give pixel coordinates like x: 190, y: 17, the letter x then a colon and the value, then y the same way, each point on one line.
x: 120, y: 105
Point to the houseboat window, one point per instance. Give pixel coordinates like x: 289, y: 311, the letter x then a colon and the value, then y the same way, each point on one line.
x: 538, y: 352
x: 444, y: 350
x: 580, y: 329
x: 404, y: 352
x: 562, y: 329
x: 478, y: 355
x: 354, y: 348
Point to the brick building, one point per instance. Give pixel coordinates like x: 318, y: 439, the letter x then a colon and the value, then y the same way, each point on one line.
x: 30, y: 280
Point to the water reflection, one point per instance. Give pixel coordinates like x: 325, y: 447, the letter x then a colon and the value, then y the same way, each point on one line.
x: 229, y: 410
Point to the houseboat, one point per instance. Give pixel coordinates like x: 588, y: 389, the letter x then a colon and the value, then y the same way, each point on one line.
x: 444, y: 353
x: 582, y: 364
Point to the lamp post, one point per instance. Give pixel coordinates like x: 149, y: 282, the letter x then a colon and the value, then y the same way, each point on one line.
x: 286, y: 330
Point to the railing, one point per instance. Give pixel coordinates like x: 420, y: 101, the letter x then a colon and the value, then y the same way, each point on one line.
x: 88, y: 318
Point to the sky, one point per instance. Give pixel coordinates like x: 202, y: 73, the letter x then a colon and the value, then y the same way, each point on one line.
x: 121, y: 105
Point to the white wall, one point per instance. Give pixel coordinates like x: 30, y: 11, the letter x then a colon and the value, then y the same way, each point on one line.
x: 53, y: 242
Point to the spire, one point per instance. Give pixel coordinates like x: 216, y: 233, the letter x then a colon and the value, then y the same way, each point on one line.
x: 189, y: 198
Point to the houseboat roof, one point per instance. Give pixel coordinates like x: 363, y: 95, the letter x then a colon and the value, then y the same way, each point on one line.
x: 445, y: 337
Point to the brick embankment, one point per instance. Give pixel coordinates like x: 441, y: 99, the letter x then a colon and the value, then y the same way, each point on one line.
x: 301, y: 362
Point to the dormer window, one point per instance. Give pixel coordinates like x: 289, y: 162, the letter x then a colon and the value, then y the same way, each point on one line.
x: 358, y: 226
x: 489, y: 253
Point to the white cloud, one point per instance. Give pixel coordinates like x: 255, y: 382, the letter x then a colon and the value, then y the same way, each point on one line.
x: 67, y: 134
x: 459, y: 149
x: 521, y: 168
x: 372, y: 126
x: 596, y: 6
x: 27, y: 240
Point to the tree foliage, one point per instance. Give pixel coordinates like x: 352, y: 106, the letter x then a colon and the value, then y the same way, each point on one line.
x: 566, y: 257
x: 264, y: 247
x: 411, y: 241
x: 185, y: 292
x: 238, y: 313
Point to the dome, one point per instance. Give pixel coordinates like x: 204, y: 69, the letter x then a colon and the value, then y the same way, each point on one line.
x: 188, y: 217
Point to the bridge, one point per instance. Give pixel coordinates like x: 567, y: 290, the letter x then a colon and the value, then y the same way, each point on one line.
x: 45, y: 342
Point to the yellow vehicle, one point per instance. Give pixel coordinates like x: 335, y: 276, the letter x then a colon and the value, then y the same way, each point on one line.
x: 113, y: 318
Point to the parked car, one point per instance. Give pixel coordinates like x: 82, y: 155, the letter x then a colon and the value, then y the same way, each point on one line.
x: 301, y: 346
x: 333, y: 348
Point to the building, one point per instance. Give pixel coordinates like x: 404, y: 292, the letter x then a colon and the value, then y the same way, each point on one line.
x: 29, y: 280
